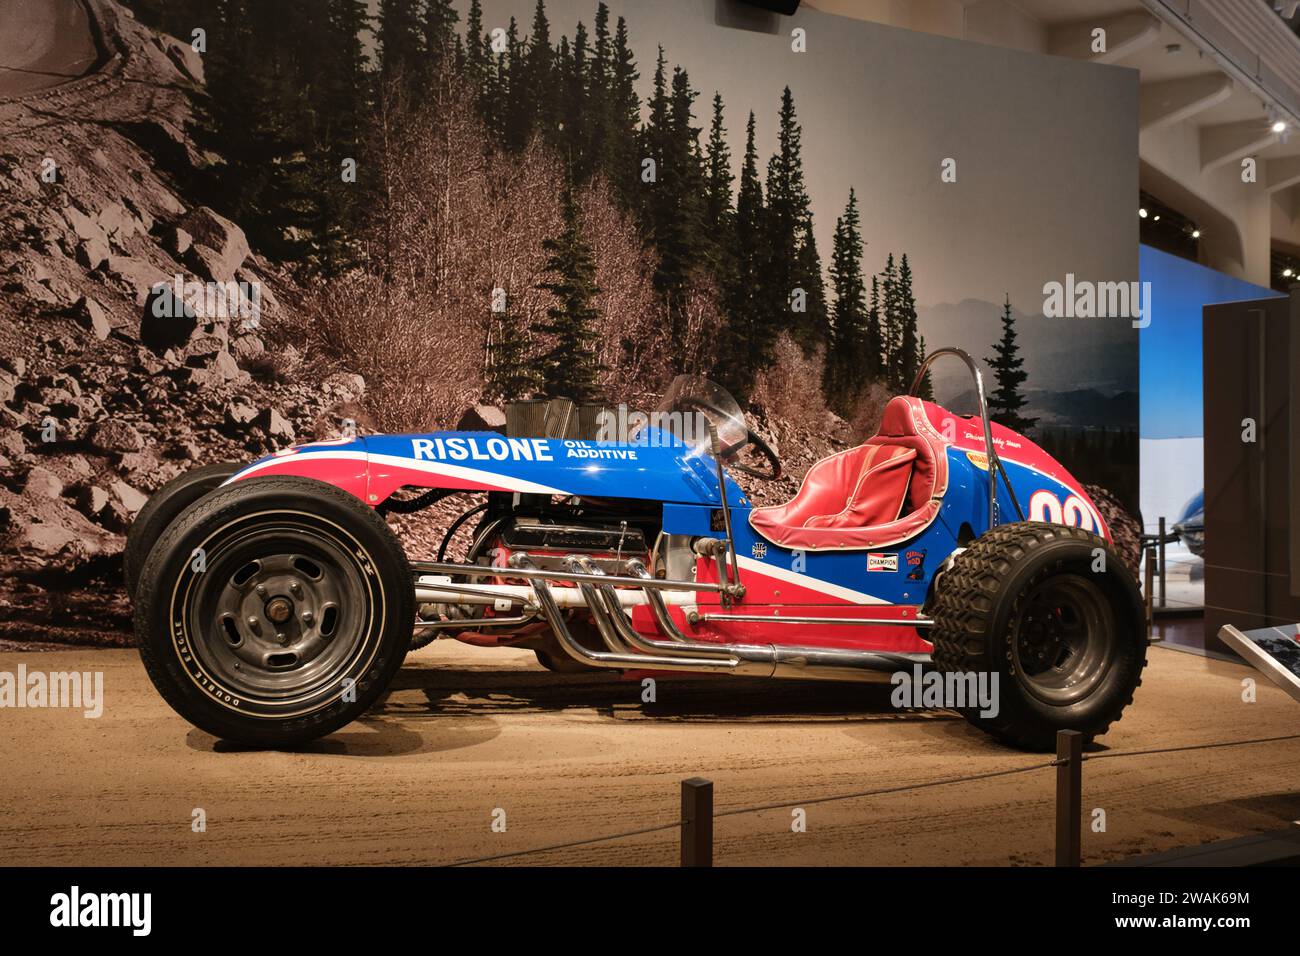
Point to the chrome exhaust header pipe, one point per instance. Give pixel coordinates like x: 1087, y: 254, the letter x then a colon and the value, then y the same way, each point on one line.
x: 610, y: 659
x: 628, y: 649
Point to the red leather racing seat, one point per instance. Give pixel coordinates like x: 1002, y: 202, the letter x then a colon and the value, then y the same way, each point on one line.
x: 884, y: 491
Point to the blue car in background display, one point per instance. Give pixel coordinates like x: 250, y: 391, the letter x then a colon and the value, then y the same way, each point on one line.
x: 1190, y: 526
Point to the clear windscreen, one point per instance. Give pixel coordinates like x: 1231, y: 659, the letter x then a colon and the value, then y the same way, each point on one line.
x: 691, y: 404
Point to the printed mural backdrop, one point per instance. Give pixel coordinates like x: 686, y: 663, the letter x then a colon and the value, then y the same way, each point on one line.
x: 447, y: 204
x: 797, y: 197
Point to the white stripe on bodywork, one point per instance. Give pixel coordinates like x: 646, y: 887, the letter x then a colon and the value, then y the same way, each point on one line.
x: 466, y: 474
x: 807, y: 581
x: 328, y: 456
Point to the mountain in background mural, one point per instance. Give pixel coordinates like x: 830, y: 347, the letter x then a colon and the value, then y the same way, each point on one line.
x: 1081, y: 371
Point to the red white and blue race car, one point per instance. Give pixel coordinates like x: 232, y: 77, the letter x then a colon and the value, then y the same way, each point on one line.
x: 274, y: 604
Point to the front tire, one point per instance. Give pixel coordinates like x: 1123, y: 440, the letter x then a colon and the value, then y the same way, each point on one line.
x: 1055, y: 614
x: 274, y: 611
x: 163, y: 507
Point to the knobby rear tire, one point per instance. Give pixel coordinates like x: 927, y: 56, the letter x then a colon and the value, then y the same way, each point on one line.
x: 989, y: 610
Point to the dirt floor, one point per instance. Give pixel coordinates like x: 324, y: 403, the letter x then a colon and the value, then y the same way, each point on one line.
x: 466, y: 732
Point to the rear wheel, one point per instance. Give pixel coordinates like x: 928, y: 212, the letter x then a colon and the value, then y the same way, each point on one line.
x: 1055, y: 614
x: 274, y: 611
x: 163, y: 507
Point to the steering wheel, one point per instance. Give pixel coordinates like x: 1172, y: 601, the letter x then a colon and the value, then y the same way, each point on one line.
x: 728, y: 452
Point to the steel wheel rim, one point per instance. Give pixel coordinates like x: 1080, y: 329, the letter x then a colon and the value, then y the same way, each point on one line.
x: 247, y: 644
x: 1063, y: 639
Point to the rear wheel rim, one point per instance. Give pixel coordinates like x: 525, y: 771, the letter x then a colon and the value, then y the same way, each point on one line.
x: 1063, y: 639
x: 279, y: 613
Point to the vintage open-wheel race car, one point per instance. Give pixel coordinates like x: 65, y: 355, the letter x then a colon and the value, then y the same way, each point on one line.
x: 274, y: 604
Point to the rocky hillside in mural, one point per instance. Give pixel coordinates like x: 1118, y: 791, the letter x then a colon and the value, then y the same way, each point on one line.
x: 101, y: 398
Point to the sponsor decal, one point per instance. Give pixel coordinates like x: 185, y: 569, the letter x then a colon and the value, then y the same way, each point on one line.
x: 465, y: 448
x: 877, y: 561
x: 1001, y: 442
x: 584, y: 449
x: 481, y: 449
x: 759, y: 550
x: 978, y: 459
x: 916, y: 561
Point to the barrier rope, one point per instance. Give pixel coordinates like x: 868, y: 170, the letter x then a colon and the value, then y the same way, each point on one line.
x: 1171, y: 750
x: 882, y: 791
x: 754, y: 809
x: 564, y: 846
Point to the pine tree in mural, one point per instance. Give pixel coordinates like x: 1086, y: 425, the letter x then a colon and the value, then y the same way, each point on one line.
x: 793, y: 274
x: 926, y: 390
x: 621, y: 156
x: 674, y: 203
x: 516, y: 106
x: 510, y: 373
x: 847, y: 349
x: 890, y: 327
x: 401, y: 42
x: 873, y: 340
x: 717, y: 186
x: 572, y: 69
x: 748, y: 335
x: 654, y: 136
x: 596, y: 119
x: 1008, y: 370
x: 908, y: 342
x: 539, y: 79
x: 808, y: 264
x: 264, y: 125
x: 570, y: 368
x: 477, y: 52
x: 342, y: 98
x: 439, y: 35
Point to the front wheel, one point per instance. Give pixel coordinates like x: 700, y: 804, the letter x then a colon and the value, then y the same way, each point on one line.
x: 1054, y: 615
x: 274, y: 611
x: 163, y: 507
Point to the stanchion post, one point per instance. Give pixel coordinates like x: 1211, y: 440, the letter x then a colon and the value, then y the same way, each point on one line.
x: 1069, y: 798
x: 697, y: 822
x: 1148, y: 588
x: 1162, y: 560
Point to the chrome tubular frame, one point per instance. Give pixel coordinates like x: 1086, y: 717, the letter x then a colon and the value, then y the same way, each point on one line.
x: 917, y: 621
x: 476, y: 624
x: 989, y: 448
x: 533, y: 573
